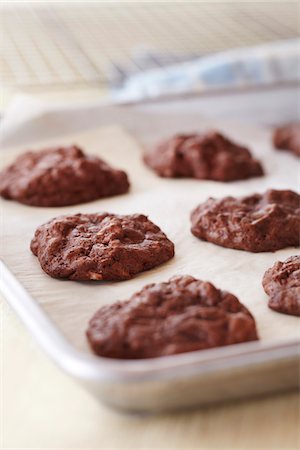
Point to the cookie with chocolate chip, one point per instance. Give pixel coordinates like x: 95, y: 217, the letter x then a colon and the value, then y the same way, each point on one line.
x: 206, y: 156
x: 181, y: 315
x: 100, y: 246
x: 255, y: 223
x: 288, y: 138
x: 60, y: 176
x: 282, y: 283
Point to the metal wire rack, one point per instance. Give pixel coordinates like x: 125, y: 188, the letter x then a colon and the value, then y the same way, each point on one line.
x: 69, y: 44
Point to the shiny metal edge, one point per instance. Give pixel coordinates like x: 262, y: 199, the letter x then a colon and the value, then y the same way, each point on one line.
x: 97, y: 369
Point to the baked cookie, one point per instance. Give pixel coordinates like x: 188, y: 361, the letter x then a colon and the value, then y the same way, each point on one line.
x: 100, y: 246
x: 59, y: 177
x: 282, y: 283
x: 288, y: 138
x: 207, y: 156
x: 256, y: 223
x: 181, y: 315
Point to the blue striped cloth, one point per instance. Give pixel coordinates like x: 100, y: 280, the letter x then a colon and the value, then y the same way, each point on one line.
x: 276, y: 62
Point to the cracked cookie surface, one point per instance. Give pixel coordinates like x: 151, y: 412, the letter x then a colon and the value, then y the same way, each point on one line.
x: 181, y: 315
x: 100, y: 246
x: 256, y: 223
x: 282, y: 283
x: 60, y: 177
x: 207, y: 156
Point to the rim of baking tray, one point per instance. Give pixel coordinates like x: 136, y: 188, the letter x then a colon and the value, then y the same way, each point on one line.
x: 91, y: 367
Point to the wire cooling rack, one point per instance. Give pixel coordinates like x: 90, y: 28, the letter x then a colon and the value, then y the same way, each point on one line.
x: 72, y: 43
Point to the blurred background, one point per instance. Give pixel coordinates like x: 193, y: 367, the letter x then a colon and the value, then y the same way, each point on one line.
x: 72, y: 51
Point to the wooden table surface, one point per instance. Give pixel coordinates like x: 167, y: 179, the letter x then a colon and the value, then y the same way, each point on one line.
x: 45, y: 409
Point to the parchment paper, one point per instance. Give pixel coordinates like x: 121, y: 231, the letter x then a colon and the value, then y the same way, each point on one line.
x: 168, y: 203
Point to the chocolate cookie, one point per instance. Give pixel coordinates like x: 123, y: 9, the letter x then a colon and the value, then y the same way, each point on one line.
x: 288, y: 138
x: 207, y: 156
x: 60, y: 177
x: 100, y: 246
x: 256, y: 223
x: 182, y: 315
x: 282, y: 283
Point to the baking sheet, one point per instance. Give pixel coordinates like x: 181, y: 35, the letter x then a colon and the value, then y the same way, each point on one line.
x: 168, y: 203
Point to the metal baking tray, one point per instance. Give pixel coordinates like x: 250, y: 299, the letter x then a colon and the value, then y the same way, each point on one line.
x: 56, y: 312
